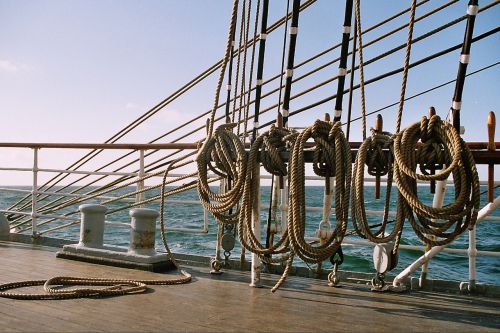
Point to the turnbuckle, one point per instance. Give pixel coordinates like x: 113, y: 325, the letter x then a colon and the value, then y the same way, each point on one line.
x: 336, y: 259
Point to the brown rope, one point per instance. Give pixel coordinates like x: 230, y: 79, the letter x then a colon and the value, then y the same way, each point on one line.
x: 455, y: 217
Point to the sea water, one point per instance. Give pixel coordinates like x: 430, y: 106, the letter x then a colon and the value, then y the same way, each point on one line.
x: 445, y: 266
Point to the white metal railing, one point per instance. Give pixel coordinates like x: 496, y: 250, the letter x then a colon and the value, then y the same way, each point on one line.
x: 472, y: 252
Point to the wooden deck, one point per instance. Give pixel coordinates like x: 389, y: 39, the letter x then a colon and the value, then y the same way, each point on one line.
x: 227, y: 304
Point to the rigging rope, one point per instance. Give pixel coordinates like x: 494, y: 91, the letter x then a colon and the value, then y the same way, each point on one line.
x: 332, y: 158
x: 113, y: 287
x: 267, y: 146
x: 226, y: 150
x: 155, y: 109
x: 442, y: 145
x: 273, y: 27
x: 376, y: 153
x: 451, y: 151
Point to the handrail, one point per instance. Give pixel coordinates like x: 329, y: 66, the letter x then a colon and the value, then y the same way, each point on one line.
x: 135, y: 146
x: 474, y: 145
x: 480, y: 150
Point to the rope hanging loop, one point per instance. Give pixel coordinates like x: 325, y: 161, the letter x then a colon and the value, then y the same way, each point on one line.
x: 375, y: 153
x: 224, y: 154
x: 331, y: 153
x: 379, y: 155
x: 445, y: 223
x: 332, y: 158
x: 266, y: 149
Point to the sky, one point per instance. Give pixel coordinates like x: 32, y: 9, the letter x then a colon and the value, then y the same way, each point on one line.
x: 80, y: 70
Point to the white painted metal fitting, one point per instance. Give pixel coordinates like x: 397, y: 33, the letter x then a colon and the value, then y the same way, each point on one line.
x: 464, y: 58
x: 472, y: 10
x: 143, y: 231
x: 92, y: 225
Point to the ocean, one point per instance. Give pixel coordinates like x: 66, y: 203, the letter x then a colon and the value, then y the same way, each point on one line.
x: 445, y: 266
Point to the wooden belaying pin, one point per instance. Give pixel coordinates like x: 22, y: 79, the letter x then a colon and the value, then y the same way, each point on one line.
x: 491, y: 147
x: 432, y: 112
x: 379, y: 123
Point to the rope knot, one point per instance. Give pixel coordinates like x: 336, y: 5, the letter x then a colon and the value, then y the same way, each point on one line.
x: 431, y: 154
x: 379, y: 154
x: 324, y: 149
x: 271, y: 144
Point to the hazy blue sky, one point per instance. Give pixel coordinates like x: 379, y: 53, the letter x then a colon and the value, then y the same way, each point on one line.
x: 80, y: 70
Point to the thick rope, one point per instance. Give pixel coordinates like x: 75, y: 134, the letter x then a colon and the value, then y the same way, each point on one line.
x: 455, y: 217
x: 114, y: 287
x: 359, y: 33
x: 333, y: 159
x: 226, y: 150
x: 406, y: 64
x: 376, y: 153
x: 267, y: 146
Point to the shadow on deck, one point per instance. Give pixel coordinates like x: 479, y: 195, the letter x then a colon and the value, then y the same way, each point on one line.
x: 226, y: 303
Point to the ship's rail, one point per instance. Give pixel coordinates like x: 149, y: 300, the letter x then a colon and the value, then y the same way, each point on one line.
x: 44, y: 222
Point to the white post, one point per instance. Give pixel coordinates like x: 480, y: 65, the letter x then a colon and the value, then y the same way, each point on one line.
x: 256, y: 264
x: 205, y: 220
x: 140, y: 183
x: 436, y: 203
x: 485, y: 211
x: 472, y: 253
x: 284, y: 203
x: 34, y: 193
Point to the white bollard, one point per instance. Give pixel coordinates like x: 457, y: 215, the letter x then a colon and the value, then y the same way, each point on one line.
x: 92, y: 225
x: 143, y: 231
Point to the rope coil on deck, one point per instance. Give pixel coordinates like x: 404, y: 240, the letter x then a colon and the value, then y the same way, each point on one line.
x: 54, y: 287
x: 115, y: 287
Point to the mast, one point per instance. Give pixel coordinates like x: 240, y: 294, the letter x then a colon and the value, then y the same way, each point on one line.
x: 456, y: 105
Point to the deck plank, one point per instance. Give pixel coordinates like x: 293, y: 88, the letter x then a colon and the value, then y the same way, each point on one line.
x: 226, y: 304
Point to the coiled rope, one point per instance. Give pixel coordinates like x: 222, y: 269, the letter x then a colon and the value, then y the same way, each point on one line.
x: 268, y: 146
x: 332, y: 158
x: 226, y: 150
x: 453, y: 152
x: 442, y: 145
x: 376, y: 153
x: 113, y: 287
